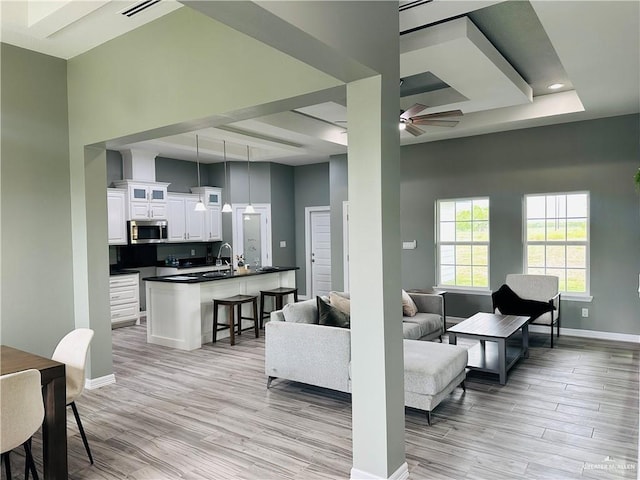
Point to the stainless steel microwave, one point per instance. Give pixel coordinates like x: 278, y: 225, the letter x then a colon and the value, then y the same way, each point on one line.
x: 147, y: 231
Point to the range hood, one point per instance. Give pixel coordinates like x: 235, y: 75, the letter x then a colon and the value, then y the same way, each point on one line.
x: 139, y: 165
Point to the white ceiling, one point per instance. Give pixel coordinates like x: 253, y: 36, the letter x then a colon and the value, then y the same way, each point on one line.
x: 496, y: 58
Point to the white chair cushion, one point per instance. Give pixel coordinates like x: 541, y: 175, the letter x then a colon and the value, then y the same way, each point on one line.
x: 533, y: 287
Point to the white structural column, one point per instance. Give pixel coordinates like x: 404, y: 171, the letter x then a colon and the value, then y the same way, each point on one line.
x: 357, y: 42
x: 374, y: 254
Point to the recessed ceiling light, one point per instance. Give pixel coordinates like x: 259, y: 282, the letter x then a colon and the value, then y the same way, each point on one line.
x: 555, y: 86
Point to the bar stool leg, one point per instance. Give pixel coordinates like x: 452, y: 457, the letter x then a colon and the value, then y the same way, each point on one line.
x: 295, y: 296
x: 231, y: 326
x: 215, y: 321
x: 261, y: 309
x: 279, y: 302
x: 239, y: 315
x: 255, y: 318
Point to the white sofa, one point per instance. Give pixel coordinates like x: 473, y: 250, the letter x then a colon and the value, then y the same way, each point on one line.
x: 297, y: 349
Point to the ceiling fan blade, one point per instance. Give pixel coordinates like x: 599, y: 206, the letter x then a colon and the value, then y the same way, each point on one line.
x: 411, y: 111
x: 435, y: 123
x: 413, y: 130
x: 448, y: 113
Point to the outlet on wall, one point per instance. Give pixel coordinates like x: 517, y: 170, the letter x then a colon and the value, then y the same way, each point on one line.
x: 193, y: 252
x: 585, y: 312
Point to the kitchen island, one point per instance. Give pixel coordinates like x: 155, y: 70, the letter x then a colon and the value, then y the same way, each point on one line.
x: 180, y: 307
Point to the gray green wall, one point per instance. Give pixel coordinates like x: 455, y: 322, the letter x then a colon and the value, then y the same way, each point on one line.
x: 283, y: 214
x: 311, y: 190
x: 36, y: 252
x: 338, y: 177
x: 600, y: 156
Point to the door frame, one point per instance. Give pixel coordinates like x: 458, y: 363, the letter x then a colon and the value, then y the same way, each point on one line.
x: 307, y: 242
x: 237, y: 243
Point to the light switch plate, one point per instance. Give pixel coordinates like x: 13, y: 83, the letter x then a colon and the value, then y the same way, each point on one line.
x: 283, y: 244
x: 409, y: 245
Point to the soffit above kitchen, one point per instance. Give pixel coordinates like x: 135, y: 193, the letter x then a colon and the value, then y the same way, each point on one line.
x: 493, y: 60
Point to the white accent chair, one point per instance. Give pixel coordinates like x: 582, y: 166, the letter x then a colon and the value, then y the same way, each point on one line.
x: 542, y: 288
x: 72, y: 351
x: 21, y: 415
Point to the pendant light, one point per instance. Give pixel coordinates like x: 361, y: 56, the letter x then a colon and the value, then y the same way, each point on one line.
x: 200, y: 207
x: 226, y: 208
x: 249, y: 208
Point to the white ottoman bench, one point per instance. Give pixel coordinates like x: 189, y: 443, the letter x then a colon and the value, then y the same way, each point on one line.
x: 431, y: 372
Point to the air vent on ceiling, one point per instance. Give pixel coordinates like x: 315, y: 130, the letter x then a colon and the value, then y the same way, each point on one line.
x: 139, y: 7
x: 406, y: 5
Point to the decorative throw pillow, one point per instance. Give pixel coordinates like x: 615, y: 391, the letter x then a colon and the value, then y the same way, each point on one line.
x: 301, y: 312
x: 409, y: 308
x: 340, y: 302
x: 331, y: 316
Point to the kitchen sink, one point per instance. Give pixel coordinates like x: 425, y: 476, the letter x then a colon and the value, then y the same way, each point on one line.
x: 215, y: 274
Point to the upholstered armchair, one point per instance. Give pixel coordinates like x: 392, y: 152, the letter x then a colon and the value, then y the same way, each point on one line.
x: 542, y: 288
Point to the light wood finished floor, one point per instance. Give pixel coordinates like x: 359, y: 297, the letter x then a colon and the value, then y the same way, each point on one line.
x: 570, y: 412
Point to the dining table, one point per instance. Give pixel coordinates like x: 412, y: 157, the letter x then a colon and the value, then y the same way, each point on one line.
x: 54, y: 426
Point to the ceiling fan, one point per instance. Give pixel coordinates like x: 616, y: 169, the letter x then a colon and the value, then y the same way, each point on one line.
x: 409, y: 119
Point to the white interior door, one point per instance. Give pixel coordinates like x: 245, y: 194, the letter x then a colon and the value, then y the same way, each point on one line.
x: 318, y: 250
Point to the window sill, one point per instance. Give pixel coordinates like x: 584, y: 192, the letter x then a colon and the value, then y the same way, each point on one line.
x: 463, y: 290
x: 575, y: 298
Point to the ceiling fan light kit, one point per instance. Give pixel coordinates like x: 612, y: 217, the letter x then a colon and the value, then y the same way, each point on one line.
x: 409, y: 119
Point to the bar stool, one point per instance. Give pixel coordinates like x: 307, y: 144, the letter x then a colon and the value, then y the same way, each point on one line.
x: 231, y: 302
x: 278, y: 295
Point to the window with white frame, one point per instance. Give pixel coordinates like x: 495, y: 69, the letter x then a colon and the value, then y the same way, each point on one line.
x: 557, y: 238
x: 463, y: 242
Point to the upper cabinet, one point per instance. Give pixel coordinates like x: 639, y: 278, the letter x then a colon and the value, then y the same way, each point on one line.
x: 145, y: 200
x: 116, y: 212
x: 184, y: 223
x: 212, y: 198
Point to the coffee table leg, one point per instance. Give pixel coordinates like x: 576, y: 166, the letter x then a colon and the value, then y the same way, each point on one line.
x: 525, y: 341
x: 502, y: 360
x: 452, y: 339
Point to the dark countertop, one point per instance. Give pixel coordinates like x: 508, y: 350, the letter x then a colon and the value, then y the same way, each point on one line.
x: 201, y: 277
x: 125, y: 271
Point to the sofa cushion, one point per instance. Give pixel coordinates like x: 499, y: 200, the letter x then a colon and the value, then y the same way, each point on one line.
x: 341, y: 302
x: 301, y: 312
x: 411, y: 330
x: 332, y: 316
x: 429, y: 367
x: 409, y: 308
x: 428, y: 322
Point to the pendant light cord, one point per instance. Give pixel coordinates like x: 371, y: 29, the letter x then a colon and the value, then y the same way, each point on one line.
x: 198, y: 159
x: 249, y: 174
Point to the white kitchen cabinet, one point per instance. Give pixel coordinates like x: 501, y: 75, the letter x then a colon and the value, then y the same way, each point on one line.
x: 145, y: 200
x: 212, y: 198
x: 116, y: 213
x: 124, y: 299
x: 184, y: 223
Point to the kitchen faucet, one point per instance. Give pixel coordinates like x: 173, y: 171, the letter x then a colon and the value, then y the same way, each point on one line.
x: 230, y: 255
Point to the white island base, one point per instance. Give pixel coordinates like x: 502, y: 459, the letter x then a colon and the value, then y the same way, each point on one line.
x: 180, y: 314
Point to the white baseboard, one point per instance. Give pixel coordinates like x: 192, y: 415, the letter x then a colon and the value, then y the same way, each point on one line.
x: 93, y: 383
x: 573, y: 332
x: 402, y: 473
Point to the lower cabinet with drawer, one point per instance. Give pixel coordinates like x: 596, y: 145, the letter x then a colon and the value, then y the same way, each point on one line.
x: 124, y: 299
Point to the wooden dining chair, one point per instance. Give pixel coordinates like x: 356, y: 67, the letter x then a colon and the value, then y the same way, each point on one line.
x: 21, y: 415
x: 72, y: 351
